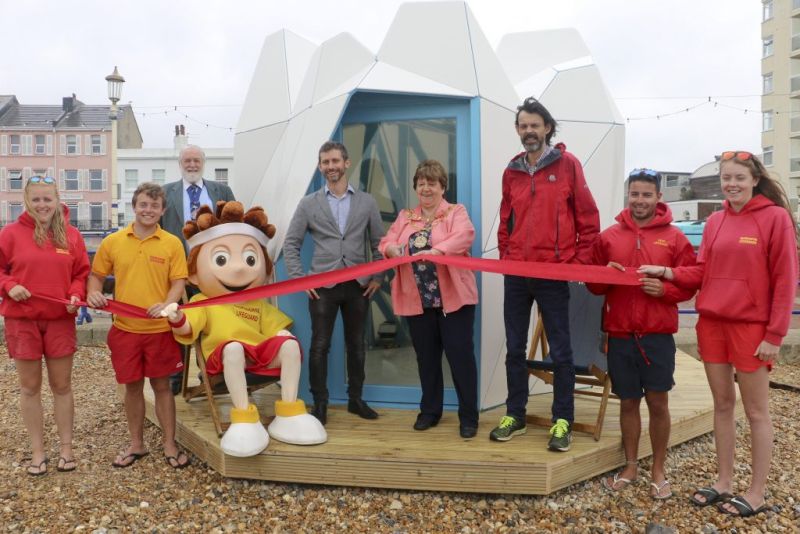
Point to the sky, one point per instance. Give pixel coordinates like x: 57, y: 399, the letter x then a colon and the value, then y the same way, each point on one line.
x: 655, y: 57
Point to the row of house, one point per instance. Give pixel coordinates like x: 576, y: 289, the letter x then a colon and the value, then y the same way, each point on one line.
x: 72, y: 142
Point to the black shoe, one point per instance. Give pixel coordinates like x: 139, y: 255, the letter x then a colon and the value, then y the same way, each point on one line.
x: 467, y: 432
x: 320, y: 411
x: 425, y: 421
x: 360, y: 408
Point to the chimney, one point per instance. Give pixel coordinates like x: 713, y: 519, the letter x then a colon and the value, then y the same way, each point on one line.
x: 180, y: 137
x: 68, y: 103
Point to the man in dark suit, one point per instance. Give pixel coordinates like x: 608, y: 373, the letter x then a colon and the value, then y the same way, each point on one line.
x: 184, y: 197
x: 343, y: 222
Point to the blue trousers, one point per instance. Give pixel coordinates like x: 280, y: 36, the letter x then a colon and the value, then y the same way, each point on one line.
x: 552, y: 297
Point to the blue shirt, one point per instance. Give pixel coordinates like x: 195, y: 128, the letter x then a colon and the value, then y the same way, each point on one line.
x: 204, y: 199
x: 340, y: 207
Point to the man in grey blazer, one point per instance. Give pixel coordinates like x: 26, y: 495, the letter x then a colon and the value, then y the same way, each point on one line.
x: 341, y: 220
x: 184, y: 196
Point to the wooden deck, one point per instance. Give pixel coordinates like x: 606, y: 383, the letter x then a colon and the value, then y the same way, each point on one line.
x: 388, y: 453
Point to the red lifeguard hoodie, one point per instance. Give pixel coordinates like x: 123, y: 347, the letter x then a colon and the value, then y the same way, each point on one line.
x: 747, y: 267
x: 45, y: 270
x: 628, y: 309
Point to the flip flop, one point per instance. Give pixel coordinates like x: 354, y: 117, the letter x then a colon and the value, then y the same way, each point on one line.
x: 64, y: 462
x: 659, y: 488
x: 711, y: 495
x: 744, y: 508
x: 134, y: 457
x: 175, y: 463
x: 613, y: 485
x: 38, y: 468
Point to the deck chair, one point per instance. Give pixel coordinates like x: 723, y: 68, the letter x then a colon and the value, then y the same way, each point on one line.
x: 585, y: 321
x: 212, y: 386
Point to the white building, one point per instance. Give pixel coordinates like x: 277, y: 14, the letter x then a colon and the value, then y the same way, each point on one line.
x: 160, y: 165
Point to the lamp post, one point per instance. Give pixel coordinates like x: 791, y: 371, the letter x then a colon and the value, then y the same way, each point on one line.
x: 115, y: 81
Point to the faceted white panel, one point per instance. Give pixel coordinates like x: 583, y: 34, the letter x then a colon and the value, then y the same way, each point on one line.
x: 524, y: 54
x: 536, y: 84
x: 492, y: 361
x: 305, y: 95
x: 346, y: 86
x: 252, y: 153
x: 298, y: 56
x: 267, y: 99
x: 594, y: 102
x: 432, y: 40
x: 341, y: 58
x: 387, y: 78
x: 493, y: 82
x: 606, y: 170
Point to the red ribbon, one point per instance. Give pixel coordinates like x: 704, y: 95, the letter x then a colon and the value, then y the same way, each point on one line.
x: 551, y: 271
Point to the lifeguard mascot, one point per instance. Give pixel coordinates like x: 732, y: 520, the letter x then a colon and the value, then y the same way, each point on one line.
x: 227, y: 254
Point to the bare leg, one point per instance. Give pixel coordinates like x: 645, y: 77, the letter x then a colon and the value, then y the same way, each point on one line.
x: 233, y: 364
x: 30, y: 403
x: 165, y: 412
x: 658, y: 408
x: 134, y: 411
x: 631, y: 425
x: 59, y: 375
x: 290, y: 363
x: 723, y: 390
x: 754, y: 388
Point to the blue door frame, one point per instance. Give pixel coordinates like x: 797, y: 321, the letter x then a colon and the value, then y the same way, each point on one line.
x: 366, y: 107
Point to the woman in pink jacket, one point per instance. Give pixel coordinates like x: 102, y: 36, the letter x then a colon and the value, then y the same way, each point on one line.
x: 437, y: 301
x: 41, y: 255
x: 747, y: 273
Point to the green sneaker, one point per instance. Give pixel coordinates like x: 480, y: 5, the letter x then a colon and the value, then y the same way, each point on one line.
x: 560, y: 436
x: 507, y: 429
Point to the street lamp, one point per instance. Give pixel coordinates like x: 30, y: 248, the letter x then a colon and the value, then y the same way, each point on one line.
x: 115, y: 81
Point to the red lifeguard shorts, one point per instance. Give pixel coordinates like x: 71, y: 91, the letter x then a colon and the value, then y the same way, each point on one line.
x: 136, y: 356
x: 29, y: 339
x: 729, y: 342
x: 257, y: 357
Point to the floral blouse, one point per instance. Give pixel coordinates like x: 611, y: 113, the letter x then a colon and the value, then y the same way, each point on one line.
x: 425, y: 272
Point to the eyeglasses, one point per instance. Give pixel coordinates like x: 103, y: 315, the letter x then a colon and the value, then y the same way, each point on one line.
x: 741, y: 155
x: 42, y: 180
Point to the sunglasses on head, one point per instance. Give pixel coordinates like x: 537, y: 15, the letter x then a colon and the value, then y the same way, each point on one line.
x: 650, y: 173
x: 738, y: 154
x: 42, y: 180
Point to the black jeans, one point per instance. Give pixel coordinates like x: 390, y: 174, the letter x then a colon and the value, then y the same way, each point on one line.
x: 552, y: 297
x: 432, y: 332
x: 347, y: 296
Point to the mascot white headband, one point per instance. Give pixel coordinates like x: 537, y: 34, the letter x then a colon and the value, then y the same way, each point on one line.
x: 227, y: 229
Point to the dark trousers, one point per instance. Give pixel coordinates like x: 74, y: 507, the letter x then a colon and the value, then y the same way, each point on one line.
x: 552, y: 297
x: 347, y: 296
x: 432, y: 332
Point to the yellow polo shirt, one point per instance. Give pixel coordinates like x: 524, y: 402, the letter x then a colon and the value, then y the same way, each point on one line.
x: 143, y: 270
x: 250, y: 322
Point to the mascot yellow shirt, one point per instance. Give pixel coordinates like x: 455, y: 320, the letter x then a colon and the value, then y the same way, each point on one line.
x: 251, y: 322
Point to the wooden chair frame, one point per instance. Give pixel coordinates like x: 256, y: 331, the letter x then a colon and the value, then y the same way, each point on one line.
x: 591, y: 376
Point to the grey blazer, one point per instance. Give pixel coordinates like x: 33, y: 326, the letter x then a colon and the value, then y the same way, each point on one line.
x: 172, y: 220
x: 332, y: 250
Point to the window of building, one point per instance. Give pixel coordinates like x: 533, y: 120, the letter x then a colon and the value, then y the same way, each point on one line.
x: 221, y: 175
x: 14, y: 211
x: 766, y: 9
x: 766, y: 158
x: 71, y: 180
x: 72, y: 144
x: 767, y: 121
x: 131, y: 179
x: 158, y: 176
x: 767, y: 83
x: 767, y: 47
x: 96, y: 180
x: 39, y: 172
x: 672, y: 180
x: 96, y: 216
x: 15, y: 180
x: 96, y: 148
x: 73, y: 213
x: 40, y: 145
x: 16, y: 144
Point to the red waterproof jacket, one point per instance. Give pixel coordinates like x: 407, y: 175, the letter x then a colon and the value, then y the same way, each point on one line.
x: 628, y: 309
x: 747, y: 267
x: 550, y: 217
x: 45, y: 270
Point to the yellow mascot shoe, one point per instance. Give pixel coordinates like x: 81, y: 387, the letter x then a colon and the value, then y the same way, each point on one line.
x: 294, y: 425
x: 246, y: 436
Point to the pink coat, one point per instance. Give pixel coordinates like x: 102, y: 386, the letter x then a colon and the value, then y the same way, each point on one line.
x: 452, y: 234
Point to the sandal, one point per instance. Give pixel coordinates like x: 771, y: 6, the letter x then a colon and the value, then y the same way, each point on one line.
x: 41, y: 468
x: 133, y: 457
x: 711, y: 496
x: 744, y: 508
x: 612, y: 483
x: 175, y: 461
x: 64, y: 465
x: 659, y: 488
